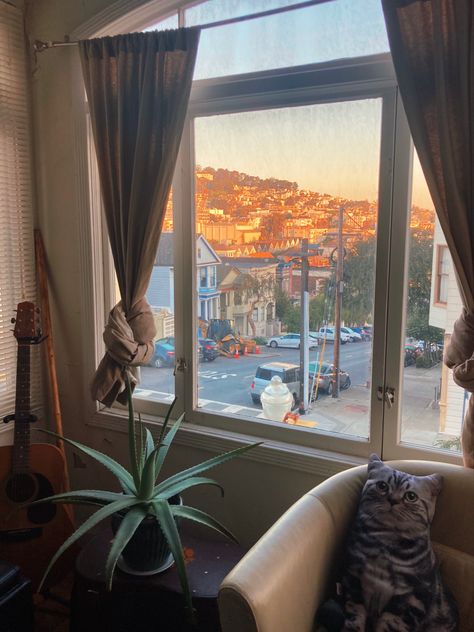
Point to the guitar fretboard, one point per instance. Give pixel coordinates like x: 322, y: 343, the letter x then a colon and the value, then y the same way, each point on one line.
x: 21, y: 444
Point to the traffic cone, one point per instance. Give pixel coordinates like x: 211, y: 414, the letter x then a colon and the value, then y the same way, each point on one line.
x: 245, y: 351
x: 236, y: 354
x: 257, y: 349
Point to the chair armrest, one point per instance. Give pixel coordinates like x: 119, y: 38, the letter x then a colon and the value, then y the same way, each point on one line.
x: 282, y: 580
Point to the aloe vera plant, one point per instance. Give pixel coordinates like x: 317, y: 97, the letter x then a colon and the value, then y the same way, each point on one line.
x: 143, y: 494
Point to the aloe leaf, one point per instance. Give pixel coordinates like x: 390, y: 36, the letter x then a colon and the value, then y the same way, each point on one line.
x: 165, y: 445
x: 98, y: 516
x: 83, y: 494
x: 132, y: 444
x: 126, y: 529
x: 148, y: 476
x: 187, y: 484
x: 190, y: 513
x: 149, y: 445
x: 165, y: 423
x: 202, y: 467
x: 168, y: 526
x: 125, y: 480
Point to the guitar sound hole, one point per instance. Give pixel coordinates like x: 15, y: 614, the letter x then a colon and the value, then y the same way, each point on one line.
x: 21, y: 487
x: 45, y: 512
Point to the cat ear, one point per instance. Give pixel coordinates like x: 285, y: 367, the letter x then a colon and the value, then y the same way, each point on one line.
x: 374, y: 463
x: 436, y: 483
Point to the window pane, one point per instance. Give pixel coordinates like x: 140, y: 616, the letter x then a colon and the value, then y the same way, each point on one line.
x: 170, y: 22
x: 264, y: 181
x: 333, y: 30
x: 433, y: 405
x: 157, y: 379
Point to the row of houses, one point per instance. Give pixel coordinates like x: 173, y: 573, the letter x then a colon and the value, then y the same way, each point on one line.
x: 241, y: 289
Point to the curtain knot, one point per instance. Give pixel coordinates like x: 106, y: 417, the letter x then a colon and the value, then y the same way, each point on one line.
x: 459, y: 356
x: 129, y: 342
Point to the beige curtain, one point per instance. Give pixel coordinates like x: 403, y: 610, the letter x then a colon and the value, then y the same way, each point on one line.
x: 432, y: 45
x: 138, y: 89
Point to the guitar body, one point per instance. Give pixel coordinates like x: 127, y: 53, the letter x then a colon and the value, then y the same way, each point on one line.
x: 29, y: 537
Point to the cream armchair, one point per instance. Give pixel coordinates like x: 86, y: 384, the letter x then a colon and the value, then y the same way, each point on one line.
x: 282, y: 580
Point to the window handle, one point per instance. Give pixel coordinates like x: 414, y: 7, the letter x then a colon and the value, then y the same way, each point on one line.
x: 387, y: 395
x: 180, y: 365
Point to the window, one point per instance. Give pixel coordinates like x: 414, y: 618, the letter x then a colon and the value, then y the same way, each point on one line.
x: 17, y: 271
x: 304, y: 140
x: 442, y: 274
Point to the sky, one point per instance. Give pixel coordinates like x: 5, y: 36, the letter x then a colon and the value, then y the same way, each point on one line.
x: 331, y: 148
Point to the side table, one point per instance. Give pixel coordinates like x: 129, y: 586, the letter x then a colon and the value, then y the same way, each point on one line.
x: 153, y: 603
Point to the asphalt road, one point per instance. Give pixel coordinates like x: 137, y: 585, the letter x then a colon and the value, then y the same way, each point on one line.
x: 228, y: 380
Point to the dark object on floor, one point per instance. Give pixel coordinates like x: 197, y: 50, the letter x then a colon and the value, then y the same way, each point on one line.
x: 16, y: 601
x: 152, y: 602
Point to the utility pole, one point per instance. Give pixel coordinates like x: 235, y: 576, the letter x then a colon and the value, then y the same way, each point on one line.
x: 338, y: 299
x: 304, y: 329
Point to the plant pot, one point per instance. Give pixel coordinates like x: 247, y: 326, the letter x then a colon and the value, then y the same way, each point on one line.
x: 147, y: 552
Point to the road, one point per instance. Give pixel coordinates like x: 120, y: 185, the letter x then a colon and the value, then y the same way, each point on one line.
x: 228, y: 380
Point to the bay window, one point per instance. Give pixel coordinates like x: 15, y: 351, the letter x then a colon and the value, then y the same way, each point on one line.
x: 296, y: 130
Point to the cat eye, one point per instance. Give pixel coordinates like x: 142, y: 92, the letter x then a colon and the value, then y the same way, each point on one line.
x: 383, y: 487
x: 411, y: 497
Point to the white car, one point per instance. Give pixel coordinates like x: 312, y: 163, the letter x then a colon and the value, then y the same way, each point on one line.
x: 327, y: 333
x: 290, y: 340
x: 354, y: 335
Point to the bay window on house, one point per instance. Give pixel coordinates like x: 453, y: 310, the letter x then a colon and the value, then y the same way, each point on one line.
x: 296, y: 129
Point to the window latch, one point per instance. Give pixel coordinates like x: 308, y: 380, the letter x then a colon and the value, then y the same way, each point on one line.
x: 387, y: 395
x: 180, y: 365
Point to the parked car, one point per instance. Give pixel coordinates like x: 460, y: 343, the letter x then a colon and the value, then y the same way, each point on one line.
x: 326, y: 377
x: 364, y: 333
x: 355, y: 336
x: 290, y: 340
x: 164, y: 353
x: 327, y: 333
x: 208, y: 349
x: 289, y: 373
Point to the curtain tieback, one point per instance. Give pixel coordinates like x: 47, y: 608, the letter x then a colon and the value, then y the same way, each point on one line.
x: 129, y: 342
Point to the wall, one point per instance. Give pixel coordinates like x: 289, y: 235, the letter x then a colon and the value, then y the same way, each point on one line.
x: 63, y: 214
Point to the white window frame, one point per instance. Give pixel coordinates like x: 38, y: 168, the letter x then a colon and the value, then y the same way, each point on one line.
x: 356, y: 78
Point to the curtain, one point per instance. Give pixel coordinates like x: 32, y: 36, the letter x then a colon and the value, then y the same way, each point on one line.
x: 138, y: 89
x: 432, y: 45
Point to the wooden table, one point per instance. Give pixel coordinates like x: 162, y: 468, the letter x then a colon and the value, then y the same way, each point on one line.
x: 153, y: 603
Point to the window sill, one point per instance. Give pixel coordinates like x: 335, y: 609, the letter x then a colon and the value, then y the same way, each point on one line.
x: 303, y: 459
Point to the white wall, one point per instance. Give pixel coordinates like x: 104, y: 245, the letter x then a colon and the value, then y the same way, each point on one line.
x: 255, y: 493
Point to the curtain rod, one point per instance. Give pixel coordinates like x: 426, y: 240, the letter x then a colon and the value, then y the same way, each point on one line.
x: 40, y: 45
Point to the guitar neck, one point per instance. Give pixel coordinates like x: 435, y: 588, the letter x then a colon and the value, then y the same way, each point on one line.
x: 21, y: 441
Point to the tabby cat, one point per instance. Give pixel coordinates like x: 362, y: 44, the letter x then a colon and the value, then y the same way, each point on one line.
x: 391, y: 580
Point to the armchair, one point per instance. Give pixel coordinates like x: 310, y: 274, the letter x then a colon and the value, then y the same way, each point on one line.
x: 291, y: 570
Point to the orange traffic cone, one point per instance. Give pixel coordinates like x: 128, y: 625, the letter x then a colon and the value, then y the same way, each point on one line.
x: 245, y: 351
x: 257, y: 349
x: 236, y: 354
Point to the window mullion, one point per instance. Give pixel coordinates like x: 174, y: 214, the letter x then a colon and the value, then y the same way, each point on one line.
x: 401, y: 201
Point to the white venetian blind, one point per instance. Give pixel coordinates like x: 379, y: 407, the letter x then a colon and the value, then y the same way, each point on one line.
x: 17, y: 271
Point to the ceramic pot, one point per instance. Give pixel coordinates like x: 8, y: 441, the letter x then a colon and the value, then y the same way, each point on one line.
x: 147, y: 552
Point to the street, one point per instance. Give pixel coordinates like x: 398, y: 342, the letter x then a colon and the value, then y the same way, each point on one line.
x: 228, y: 380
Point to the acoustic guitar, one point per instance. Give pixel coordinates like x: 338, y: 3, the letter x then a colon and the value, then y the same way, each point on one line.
x: 29, y: 536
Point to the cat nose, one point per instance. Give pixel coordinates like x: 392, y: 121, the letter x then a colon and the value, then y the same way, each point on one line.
x: 393, y: 501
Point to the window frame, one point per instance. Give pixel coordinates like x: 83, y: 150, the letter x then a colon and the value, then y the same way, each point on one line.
x: 441, y: 251
x: 329, y: 81
x: 341, y: 80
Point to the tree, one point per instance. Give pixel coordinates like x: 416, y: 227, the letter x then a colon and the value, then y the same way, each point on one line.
x: 258, y: 288
x: 282, y: 303
x: 419, y: 288
x: 358, y: 296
